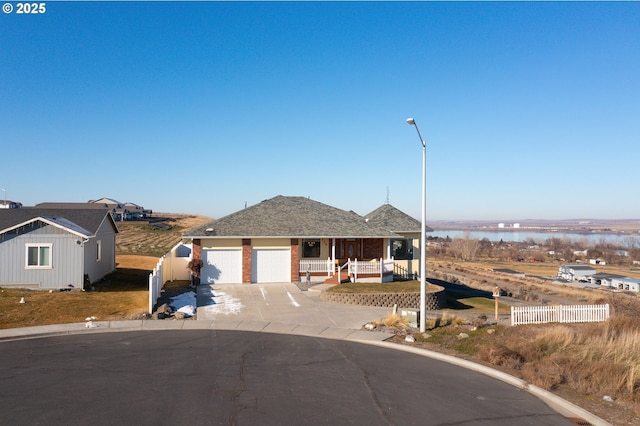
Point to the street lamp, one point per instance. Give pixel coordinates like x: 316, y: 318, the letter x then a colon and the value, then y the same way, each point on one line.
x: 423, y: 227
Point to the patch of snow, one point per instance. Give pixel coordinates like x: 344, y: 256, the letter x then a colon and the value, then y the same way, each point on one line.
x: 293, y: 301
x: 185, y: 303
x: 223, y: 303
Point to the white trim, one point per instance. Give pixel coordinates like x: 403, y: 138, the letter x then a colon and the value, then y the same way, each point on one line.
x: 39, y: 265
x: 98, y: 250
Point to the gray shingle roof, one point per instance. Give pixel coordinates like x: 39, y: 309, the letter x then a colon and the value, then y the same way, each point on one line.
x: 394, y: 220
x: 291, y: 217
x: 89, y: 219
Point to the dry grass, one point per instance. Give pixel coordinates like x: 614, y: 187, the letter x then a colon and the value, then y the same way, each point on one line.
x: 140, y: 237
x: 122, y: 295
x: 393, y: 321
x: 595, y: 359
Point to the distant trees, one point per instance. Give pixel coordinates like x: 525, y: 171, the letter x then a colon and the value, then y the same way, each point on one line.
x: 553, y: 248
x: 464, y: 248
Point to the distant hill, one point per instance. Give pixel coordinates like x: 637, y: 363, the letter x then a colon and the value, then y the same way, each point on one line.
x: 155, y: 236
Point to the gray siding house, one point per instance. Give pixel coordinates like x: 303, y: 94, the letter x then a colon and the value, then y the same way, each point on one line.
x: 56, y: 248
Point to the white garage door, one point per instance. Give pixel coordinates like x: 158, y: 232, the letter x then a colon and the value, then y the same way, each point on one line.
x: 221, y: 267
x: 271, y: 266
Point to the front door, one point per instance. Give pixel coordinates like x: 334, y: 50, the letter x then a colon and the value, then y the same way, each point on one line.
x: 351, y: 249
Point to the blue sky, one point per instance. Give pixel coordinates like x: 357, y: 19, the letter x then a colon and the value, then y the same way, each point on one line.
x: 530, y: 110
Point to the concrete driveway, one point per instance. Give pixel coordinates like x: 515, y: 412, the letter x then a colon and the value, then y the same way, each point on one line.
x: 281, y: 307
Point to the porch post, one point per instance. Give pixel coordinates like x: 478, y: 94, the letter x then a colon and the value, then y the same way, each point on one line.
x: 333, y: 256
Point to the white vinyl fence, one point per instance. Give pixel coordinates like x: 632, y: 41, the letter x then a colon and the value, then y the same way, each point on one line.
x: 560, y: 313
x: 172, y: 266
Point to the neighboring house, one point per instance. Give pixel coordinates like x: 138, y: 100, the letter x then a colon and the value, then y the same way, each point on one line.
x: 56, y: 248
x: 603, y: 279
x: 576, y: 272
x: 123, y: 211
x: 616, y: 282
x: 284, y: 238
x: 8, y: 204
x: 135, y: 211
x: 626, y: 283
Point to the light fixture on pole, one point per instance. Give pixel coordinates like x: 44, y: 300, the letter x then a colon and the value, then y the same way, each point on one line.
x: 423, y: 227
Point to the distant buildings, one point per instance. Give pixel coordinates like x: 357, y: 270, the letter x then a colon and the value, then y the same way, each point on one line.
x: 586, y: 274
x: 119, y: 211
x: 8, y: 204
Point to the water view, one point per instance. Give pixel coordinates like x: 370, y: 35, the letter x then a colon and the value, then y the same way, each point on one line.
x: 624, y: 240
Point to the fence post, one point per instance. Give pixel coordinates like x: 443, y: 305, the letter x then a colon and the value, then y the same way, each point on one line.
x: 512, y: 316
x: 151, y: 293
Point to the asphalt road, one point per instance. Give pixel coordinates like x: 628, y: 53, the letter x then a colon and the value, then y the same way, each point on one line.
x: 213, y: 377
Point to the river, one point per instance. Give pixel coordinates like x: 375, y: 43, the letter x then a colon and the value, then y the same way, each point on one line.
x: 622, y: 240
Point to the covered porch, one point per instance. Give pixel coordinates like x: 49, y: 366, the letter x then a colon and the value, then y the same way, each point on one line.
x: 348, y: 260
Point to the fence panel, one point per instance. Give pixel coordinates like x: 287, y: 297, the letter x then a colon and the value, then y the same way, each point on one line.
x: 560, y: 313
x: 155, y: 284
x: 171, y: 266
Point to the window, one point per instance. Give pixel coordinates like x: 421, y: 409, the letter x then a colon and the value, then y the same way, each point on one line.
x: 311, y: 248
x: 98, y: 250
x: 402, y: 249
x: 39, y: 256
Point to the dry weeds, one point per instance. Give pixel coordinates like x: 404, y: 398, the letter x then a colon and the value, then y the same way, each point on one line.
x: 139, y: 237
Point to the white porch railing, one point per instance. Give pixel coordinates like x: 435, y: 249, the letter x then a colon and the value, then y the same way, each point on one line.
x: 561, y: 313
x: 382, y: 267
x: 317, y: 266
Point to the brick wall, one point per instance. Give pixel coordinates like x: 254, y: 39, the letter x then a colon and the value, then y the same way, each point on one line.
x: 372, y: 248
x: 295, y: 260
x: 196, y: 249
x: 246, y: 260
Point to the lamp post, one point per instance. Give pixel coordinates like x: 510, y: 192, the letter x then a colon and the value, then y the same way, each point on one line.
x: 423, y: 227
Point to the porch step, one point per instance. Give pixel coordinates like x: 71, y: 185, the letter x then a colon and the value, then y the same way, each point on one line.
x: 344, y: 278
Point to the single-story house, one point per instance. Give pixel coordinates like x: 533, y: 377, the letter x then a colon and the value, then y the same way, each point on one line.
x: 575, y: 272
x: 286, y: 239
x: 615, y: 281
x: 8, y: 204
x: 604, y: 279
x: 627, y: 283
x: 65, y: 248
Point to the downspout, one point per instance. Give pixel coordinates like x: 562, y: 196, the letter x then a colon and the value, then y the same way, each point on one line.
x: 82, y: 272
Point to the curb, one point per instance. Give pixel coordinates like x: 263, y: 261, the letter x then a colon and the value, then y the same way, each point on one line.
x: 560, y: 405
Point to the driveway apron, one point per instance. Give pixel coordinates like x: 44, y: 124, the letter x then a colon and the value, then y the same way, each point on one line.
x: 280, y: 303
